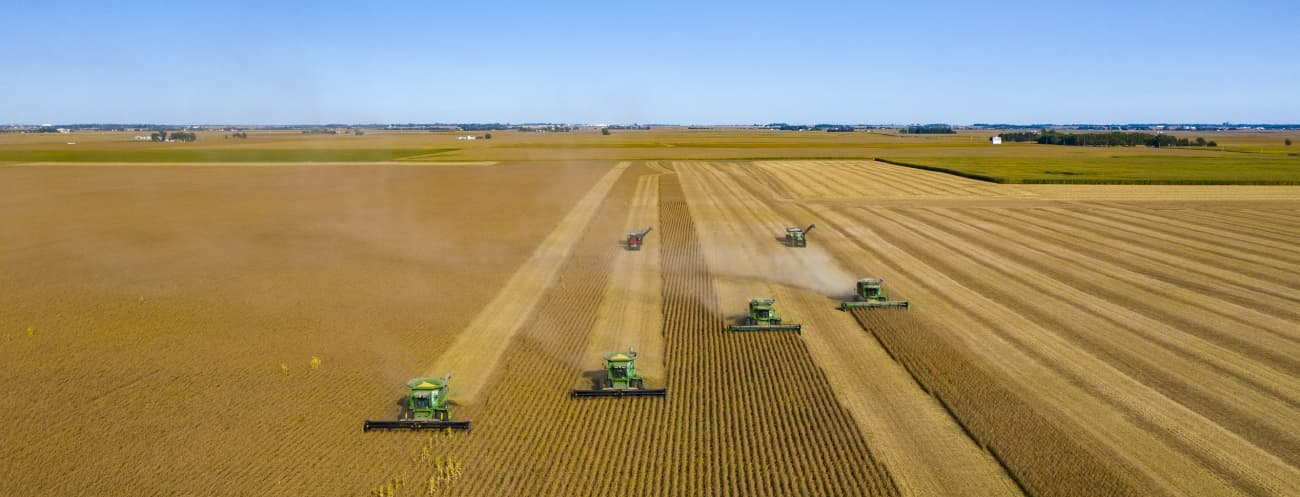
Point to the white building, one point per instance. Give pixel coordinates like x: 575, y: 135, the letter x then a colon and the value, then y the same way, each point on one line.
x: 997, y: 140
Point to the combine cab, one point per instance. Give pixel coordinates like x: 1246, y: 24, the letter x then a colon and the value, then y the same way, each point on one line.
x: 636, y: 238
x: 621, y: 379
x: 764, y: 317
x: 796, y: 236
x: 870, y: 294
x: 425, y: 408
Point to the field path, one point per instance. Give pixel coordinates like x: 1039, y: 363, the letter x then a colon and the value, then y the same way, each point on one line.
x: 926, y: 450
x: 473, y: 357
x: 631, y: 311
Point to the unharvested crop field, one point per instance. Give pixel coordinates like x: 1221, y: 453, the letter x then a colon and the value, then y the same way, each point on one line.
x: 224, y: 330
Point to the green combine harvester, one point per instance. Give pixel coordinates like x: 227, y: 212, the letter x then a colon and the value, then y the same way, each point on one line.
x: 796, y: 236
x: 620, y: 379
x: 425, y: 408
x: 870, y: 294
x: 764, y: 317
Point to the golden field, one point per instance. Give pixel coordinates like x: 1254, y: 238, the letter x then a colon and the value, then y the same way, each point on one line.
x: 215, y: 328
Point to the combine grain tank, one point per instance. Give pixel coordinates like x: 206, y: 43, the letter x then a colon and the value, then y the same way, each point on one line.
x: 425, y: 408
x: 620, y: 379
x: 796, y: 236
x: 763, y: 316
x: 869, y: 293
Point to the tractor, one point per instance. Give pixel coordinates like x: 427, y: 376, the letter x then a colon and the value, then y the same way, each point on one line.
x: 425, y: 407
x: 796, y: 236
x: 620, y: 379
x: 636, y: 238
x: 763, y: 316
x: 870, y: 294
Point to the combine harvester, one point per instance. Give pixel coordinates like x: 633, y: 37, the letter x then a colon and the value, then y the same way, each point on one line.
x: 425, y: 409
x: 636, y: 238
x: 796, y: 236
x: 621, y: 379
x: 870, y: 294
x: 764, y: 317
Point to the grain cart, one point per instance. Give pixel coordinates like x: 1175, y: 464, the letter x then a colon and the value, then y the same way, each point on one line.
x: 620, y: 379
x: 636, y: 238
x: 425, y: 408
x: 797, y: 237
x: 870, y: 294
x: 764, y: 317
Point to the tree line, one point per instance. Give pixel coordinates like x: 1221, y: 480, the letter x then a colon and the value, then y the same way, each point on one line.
x: 180, y: 136
x: 1112, y: 139
x: 929, y: 129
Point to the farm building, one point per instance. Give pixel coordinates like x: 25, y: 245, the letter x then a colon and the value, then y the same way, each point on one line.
x: 997, y: 140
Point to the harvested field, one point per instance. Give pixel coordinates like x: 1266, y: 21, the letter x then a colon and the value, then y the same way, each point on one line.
x: 631, y: 311
x: 1161, y: 340
x: 224, y: 330
x: 164, y: 300
x: 913, y: 435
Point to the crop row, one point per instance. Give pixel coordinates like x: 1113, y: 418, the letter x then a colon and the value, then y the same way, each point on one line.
x: 1041, y: 456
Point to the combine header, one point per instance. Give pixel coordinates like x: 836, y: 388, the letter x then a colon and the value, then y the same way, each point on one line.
x: 764, y: 317
x: 870, y: 294
x: 797, y: 237
x: 636, y: 238
x: 621, y: 379
x: 425, y: 408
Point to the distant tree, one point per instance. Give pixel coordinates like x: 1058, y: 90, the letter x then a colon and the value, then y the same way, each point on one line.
x: 487, y: 136
x: 604, y: 131
x: 1211, y: 144
x: 158, y: 136
x: 1288, y: 142
x: 1200, y: 142
x: 1020, y: 136
x: 929, y: 129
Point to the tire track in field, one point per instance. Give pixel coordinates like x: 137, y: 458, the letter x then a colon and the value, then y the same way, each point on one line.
x: 1230, y: 220
x: 1152, y: 443
x: 959, y: 314
x: 631, y: 310
x: 1280, y: 218
x: 1205, y: 315
x: 1214, y: 231
x: 927, y: 451
x: 796, y: 179
x: 1174, y: 268
x: 1201, y: 236
x: 873, y: 181
x: 473, y: 357
x: 916, y: 180
x: 1037, y: 362
x: 1161, y: 358
x: 1265, y: 263
x: 1063, y: 219
x: 852, y: 180
x: 1047, y: 280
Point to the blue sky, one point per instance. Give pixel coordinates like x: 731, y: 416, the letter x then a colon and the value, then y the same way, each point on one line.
x: 662, y: 62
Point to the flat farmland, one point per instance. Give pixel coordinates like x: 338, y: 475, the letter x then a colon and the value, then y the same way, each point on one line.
x: 224, y: 329
x: 1243, y: 157
x: 1153, y: 334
